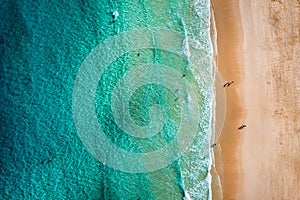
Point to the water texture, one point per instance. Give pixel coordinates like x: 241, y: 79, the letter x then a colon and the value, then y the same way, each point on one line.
x: 44, y: 48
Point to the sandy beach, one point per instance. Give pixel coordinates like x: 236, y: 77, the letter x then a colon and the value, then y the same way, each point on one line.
x: 259, y: 49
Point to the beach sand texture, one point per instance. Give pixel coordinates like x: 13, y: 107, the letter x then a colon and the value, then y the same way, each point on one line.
x: 259, y: 48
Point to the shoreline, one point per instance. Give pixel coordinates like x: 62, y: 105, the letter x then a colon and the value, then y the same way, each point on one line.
x: 218, y: 119
x: 229, y: 40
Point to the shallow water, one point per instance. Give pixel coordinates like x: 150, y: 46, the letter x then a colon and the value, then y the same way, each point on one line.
x: 45, y: 48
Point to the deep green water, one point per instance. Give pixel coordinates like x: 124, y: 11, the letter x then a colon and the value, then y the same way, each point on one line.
x: 43, y: 45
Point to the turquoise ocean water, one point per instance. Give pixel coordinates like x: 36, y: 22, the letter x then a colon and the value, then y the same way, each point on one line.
x: 43, y: 45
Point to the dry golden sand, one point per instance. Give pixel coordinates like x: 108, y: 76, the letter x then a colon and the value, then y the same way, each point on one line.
x: 259, y: 48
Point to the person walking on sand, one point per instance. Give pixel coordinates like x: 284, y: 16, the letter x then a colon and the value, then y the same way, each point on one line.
x: 241, y: 127
x: 228, y: 84
x: 213, y: 145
